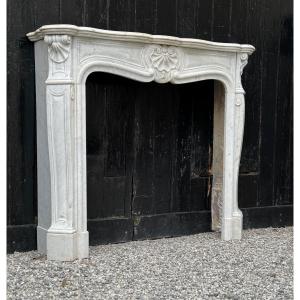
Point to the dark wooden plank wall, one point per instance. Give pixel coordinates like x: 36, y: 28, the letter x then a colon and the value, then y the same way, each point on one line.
x: 266, y: 180
x: 148, y: 154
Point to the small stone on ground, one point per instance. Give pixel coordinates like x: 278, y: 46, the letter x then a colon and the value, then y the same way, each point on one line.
x: 260, y: 266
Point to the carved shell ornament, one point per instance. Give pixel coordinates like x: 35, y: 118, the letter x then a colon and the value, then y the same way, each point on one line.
x: 164, y: 61
x: 58, y: 47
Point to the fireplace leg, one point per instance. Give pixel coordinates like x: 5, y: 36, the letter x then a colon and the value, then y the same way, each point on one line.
x: 227, y: 143
x: 62, y: 235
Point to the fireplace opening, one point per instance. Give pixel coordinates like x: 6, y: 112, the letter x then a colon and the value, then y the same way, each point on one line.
x: 149, y: 158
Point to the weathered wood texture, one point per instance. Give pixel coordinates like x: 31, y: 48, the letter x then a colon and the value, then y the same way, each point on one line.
x: 148, y: 149
x: 149, y: 146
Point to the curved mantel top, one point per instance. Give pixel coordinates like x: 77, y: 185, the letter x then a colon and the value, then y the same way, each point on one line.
x: 73, y: 30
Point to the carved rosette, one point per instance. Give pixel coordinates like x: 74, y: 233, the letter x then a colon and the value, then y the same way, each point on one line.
x: 58, y: 47
x: 164, y: 60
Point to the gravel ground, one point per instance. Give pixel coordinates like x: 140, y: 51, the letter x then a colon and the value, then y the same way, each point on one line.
x: 201, y: 266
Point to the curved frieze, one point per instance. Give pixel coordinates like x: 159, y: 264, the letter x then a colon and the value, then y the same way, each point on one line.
x: 58, y: 47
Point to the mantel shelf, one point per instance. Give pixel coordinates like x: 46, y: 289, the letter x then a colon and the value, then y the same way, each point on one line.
x: 139, y: 37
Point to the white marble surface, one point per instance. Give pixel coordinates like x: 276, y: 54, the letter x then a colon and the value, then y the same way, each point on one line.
x: 65, y: 55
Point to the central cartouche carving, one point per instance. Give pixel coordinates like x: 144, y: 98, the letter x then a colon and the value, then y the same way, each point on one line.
x: 164, y: 60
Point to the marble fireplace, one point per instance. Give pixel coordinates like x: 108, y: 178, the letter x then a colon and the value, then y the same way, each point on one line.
x: 64, y: 57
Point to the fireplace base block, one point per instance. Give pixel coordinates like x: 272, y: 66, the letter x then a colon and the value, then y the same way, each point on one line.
x: 62, y: 246
x: 233, y: 227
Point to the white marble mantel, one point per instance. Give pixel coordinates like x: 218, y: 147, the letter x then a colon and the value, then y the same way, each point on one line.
x: 64, y: 57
